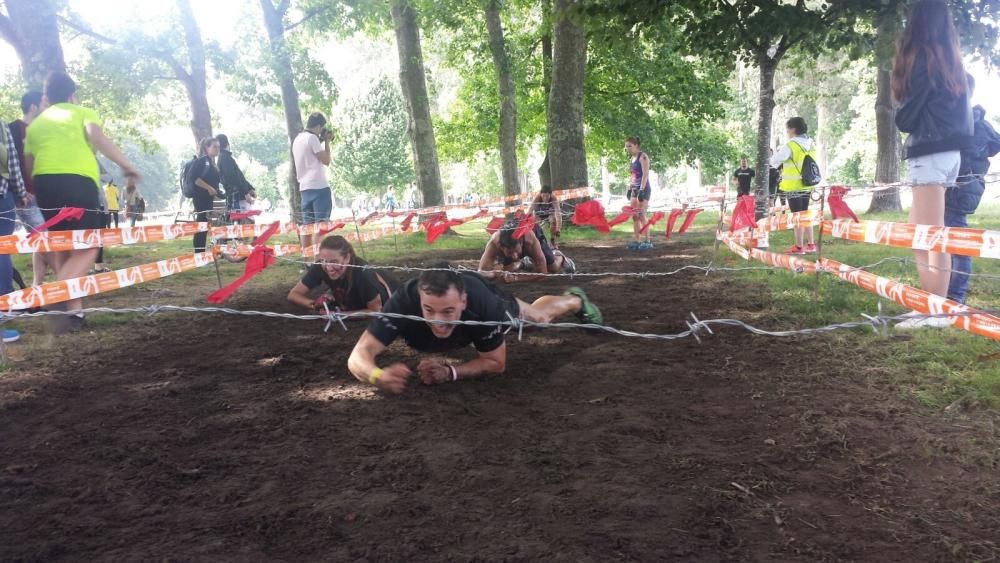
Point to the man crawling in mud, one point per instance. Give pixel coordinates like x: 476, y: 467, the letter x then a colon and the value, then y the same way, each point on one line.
x: 442, y: 297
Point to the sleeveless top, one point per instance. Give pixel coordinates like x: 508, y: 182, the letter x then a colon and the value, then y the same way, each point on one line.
x: 543, y: 210
x: 636, y: 169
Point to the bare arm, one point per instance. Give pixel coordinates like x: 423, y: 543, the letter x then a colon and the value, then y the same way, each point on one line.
x: 487, y: 263
x: 362, y: 365
x: 644, y: 162
x: 299, y: 295
x: 324, y: 155
x: 537, y: 260
x: 205, y: 186
x: 103, y: 144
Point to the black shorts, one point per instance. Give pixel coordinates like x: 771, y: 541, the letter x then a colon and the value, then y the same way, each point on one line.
x: 55, y: 191
x: 635, y: 193
x: 797, y: 201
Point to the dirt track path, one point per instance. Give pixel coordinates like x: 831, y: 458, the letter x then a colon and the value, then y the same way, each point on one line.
x: 248, y: 440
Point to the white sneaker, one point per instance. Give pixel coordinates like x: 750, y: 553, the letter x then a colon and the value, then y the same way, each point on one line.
x: 917, y: 322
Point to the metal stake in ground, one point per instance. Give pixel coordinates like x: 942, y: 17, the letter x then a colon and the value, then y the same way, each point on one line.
x: 819, y: 241
x: 358, y: 231
x: 394, y: 243
x: 218, y: 274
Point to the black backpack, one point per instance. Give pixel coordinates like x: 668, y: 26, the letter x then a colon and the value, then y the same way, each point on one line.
x: 809, y: 172
x: 187, y: 177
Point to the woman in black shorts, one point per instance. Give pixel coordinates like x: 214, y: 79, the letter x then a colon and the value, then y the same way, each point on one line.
x: 639, y: 192
x: 206, y: 186
x: 352, y: 287
x: 59, y: 154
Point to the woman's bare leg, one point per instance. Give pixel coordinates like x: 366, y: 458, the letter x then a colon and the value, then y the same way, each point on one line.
x: 547, y: 308
x: 933, y: 267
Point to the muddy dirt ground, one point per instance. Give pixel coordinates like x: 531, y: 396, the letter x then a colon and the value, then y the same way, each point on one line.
x: 223, y: 438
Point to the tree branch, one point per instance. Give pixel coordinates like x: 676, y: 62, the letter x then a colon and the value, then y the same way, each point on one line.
x: 309, y: 15
x: 84, y: 30
x: 179, y: 70
x: 8, y: 33
x: 748, y: 39
x: 282, y: 8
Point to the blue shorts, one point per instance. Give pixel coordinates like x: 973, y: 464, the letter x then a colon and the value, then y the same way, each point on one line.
x: 934, y: 169
x: 317, y: 205
x: 642, y: 195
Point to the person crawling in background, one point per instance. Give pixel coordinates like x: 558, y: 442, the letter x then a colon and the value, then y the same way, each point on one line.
x: 506, y: 252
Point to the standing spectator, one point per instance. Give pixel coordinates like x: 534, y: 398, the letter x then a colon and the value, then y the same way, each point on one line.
x: 30, y: 215
x: 132, y: 198
x: 639, y: 192
x: 791, y: 157
x: 311, y: 152
x: 773, y: 178
x: 239, y: 193
x: 743, y: 177
x: 390, y: 200
x: 11, y: 189
x: 962, y: 201
x: 59, y: 151
x: 111, y: 196
x: 929, y: 82
x: 206, y: 182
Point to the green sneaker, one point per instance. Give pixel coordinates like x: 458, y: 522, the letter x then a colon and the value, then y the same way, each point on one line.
x: 588, y: 313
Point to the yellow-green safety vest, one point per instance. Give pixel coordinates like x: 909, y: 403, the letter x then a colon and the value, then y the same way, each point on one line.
x: 791, y: 169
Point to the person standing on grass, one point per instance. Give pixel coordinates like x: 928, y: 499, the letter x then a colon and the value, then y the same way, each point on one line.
x: 131, y: 197
x: 206, y: 186
x: 962, y: 200
x: 111, y: 197
x: 29, y: 215
x: 12, y: 191
x: 239, y: 192
x: 790, y: 157
x: 59, y: 154
x: 929, y: 82
x: 311, y: 152
x: 446, y: 295
x: 545, y: 207
x: 743, y: 176
x: 639, y: 192
x: 352, y: 286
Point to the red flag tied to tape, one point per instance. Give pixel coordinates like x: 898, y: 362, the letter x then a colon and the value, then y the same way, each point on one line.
x: 260, y: 258
x: 625, y: 215
x: 692, y: 213
x: 325, y: 232
x: 241, y: 215
x: 440, y: 227
x: 494, y: 225
x: 66, y: 213
x: 838, y: 208
x: 527, y: 223
x: 591, y: 213
x: 370, y: 216
x: 652, y: 221
x: 743, y: 215
x: 405, y: 225
x: 672, y: 220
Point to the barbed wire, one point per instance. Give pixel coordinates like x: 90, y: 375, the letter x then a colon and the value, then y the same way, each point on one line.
x: 695, y: 325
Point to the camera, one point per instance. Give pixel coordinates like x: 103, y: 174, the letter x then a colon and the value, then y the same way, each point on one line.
x: 325, y: 135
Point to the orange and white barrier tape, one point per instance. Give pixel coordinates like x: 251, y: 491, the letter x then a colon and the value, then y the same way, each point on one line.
x: 86, y: 286
x: 953, y: 240
x: 966, y: 318
x: 56, y: 241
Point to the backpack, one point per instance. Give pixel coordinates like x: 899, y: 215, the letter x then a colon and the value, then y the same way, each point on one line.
x: 809, y: 172
x: 140, y: 208
x: 188, y: 176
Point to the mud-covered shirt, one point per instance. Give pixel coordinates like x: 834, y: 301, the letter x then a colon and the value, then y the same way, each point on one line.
x: 485, y: 303
x: 355, y: 289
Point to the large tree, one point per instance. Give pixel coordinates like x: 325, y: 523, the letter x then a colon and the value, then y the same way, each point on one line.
x: 32, y: 28
x: 508, y: 98
x: 565, y: 131
x: 413, y: 83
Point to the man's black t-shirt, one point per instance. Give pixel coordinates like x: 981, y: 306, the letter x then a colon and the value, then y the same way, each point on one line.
x: 485, y: 303
x: 355, y: 289
x: 743, y: 176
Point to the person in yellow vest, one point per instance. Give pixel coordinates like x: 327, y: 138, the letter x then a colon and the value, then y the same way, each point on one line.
x: 790, y: 157
x: 111, y: 194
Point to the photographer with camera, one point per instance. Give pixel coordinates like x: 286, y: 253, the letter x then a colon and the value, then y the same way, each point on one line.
x: 311, y: 152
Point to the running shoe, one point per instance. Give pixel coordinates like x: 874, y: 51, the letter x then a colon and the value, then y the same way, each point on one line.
x: 917, y: 321
x: 795, y: 249
x: 645, y: 245
x: 588, y: 313
x: 569, y: 266
x: 10, y: 335
x: 632, y: 245
x: 809, y: 248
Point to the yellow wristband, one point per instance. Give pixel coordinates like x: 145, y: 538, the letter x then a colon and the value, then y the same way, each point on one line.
x: 374, y: 376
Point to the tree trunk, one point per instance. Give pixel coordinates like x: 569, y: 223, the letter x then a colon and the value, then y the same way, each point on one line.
x: 889, y: 146
x: 544, y: 172
x: 508, y: 103
x: 196, y: 83
x: 31, y: 28
x: 765, y: 112
x: 281, y: 65
x: 568, y: 162
x: 418, y: 108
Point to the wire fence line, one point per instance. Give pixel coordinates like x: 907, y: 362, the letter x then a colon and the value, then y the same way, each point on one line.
x: 696, y: 326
